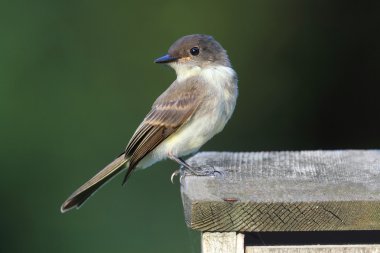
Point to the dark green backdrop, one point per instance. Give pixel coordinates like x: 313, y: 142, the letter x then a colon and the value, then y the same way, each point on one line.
x: 77, y: 77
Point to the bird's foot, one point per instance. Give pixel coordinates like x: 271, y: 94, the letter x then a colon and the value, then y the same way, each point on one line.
x: 201, y: 171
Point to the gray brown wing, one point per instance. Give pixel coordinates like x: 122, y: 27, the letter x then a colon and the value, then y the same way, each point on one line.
x: 169, y: 112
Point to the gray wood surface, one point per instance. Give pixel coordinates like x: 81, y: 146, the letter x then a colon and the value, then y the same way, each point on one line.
x: 316, y: 249
x: 284, y: 191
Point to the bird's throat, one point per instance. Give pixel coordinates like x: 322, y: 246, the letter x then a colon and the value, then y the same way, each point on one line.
x: 185, y: 71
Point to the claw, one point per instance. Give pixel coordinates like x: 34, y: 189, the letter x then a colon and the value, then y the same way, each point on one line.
x: 174, y: 174
x: 194, y: 172
x: 218, y: 172
x: 206, y: 170
x: 181, y: 178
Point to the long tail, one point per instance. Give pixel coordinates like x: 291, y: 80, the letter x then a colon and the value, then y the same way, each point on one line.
x: 91, y: 186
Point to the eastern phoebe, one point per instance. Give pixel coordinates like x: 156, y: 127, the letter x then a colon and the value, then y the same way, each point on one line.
x: 195, y: 107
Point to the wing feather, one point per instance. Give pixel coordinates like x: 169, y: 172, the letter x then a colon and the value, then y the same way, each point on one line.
x: 170, y: 111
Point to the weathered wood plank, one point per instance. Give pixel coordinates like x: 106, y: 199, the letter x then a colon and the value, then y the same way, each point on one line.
x: 315, y: 249
x: 284, y: 191
x: 229, y: 242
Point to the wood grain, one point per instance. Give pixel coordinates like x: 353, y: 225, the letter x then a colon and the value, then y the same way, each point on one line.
x: 284, y: 191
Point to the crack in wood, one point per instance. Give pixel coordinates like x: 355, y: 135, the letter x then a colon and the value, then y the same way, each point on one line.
x: 333, y: 214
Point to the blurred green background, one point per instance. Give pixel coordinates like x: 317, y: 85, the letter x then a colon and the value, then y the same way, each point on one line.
x: 77, y: 77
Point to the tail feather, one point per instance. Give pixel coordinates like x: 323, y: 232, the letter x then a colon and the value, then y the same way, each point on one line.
x: 90, y: 187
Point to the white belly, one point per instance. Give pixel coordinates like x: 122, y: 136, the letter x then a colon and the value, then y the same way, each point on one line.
x: 203, y: 125
x: 188, y: 139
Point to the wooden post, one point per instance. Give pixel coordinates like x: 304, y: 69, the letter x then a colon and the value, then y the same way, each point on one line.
x: 222, y: 242
x: 283, y: 191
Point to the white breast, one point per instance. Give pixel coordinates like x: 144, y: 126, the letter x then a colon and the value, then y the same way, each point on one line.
x: 205, y: 123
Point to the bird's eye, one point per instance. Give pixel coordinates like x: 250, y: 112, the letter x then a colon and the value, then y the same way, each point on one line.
x: 194, y: 51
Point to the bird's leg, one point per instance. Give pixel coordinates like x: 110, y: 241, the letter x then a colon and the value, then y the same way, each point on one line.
x: 192, y: 170
x: 181, y: 162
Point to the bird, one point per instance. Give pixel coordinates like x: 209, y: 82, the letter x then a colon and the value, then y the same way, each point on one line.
x: 194, y: 108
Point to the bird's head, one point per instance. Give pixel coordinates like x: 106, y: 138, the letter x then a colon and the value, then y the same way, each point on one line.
x: 195, y: 51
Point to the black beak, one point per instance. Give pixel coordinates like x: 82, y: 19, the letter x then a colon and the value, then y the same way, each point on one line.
x: 165, y: 59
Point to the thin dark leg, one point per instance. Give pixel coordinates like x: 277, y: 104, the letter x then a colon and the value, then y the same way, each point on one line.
x: 180, y: 161
x: 189, y: 168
